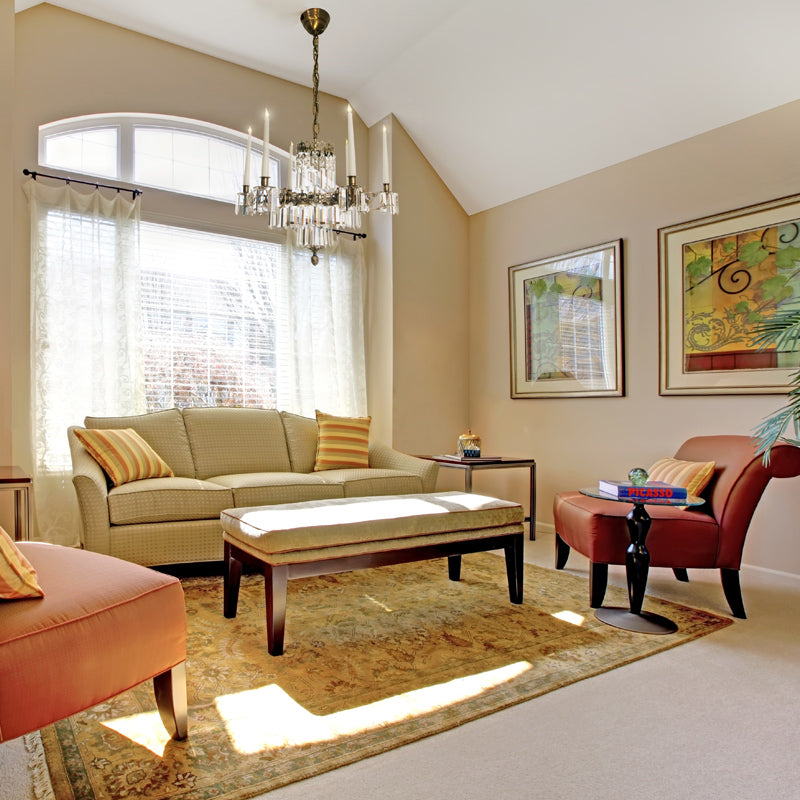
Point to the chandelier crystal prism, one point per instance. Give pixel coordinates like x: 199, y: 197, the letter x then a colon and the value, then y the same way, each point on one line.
x: 313, y: 205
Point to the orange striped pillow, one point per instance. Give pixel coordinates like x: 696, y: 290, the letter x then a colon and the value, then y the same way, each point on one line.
x: 694, y: 475
x: 123, y: 454
x: 17, y: 575
x: 343, y: 442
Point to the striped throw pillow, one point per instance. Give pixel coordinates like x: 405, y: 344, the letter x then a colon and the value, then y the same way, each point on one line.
x: 17, y: 575
x: 123, y: 454
x: 343, y: 442
x: 694, y: 475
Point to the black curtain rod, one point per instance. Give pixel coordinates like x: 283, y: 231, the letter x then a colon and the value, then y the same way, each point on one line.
x: 96, y: 185
x: 351, y: 233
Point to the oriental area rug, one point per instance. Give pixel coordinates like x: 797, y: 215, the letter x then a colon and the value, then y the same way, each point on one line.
x: 373, y: 660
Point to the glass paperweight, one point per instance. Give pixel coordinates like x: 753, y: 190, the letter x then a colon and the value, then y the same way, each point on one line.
x: 638, y: 476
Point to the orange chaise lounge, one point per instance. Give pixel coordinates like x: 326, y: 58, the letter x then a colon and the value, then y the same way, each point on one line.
x: 97, y: 627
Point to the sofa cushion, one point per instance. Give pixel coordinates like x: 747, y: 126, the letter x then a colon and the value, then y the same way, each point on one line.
x: 167, y: 500
x: 164, y: 431
x: 366, y: 482
x: 302, y: 434
x: 269, y: 488
x: 230, y: 441
x: 343, y: 442
x: 123, y: 454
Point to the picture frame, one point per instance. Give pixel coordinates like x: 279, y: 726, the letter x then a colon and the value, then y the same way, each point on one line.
x: 719, y: 276
x: 565, y: 317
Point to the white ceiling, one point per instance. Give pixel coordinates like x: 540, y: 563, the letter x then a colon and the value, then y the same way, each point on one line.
x: 507, y: 97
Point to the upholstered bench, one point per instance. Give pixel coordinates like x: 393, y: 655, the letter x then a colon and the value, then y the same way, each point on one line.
x: 321, y: 537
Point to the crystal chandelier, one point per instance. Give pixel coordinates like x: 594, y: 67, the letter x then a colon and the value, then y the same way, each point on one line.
x: 313, y: 205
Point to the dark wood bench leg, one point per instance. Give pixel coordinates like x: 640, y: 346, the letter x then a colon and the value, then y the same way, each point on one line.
x: 454, y: 568
x: 275, y: 581
x: 514, y: 567
x: 233, y: 577
x: 170, y: 691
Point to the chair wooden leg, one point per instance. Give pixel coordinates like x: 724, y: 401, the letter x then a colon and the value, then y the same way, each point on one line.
x: 733, y: 591
x: 170, y: 691
x: 562, y: 552
x: 681, y: 574
x: 598, y: 580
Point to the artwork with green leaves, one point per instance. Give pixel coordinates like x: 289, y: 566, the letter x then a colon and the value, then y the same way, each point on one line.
x: 721, y: 278
x: 566, y: 328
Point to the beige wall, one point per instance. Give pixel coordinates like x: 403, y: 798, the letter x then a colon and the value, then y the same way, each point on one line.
x: 575, y: 441
x: 431, y: 302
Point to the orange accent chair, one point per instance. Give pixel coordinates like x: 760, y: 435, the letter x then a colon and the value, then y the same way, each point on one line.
x: 103, y: 626
x: 710, y: 536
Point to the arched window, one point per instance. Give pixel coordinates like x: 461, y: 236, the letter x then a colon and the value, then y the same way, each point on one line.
x: 171, y: 153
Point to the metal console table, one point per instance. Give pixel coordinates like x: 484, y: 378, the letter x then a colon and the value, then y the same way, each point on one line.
x: 467, y: 465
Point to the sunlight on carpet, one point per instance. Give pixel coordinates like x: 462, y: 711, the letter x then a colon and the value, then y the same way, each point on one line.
x: 267, y: 717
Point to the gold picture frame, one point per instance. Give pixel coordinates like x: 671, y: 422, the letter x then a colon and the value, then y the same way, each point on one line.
x: 719, y: 276
x: 566, y: 325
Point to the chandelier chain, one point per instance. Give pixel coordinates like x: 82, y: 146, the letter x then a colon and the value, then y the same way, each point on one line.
x: 315, y: 80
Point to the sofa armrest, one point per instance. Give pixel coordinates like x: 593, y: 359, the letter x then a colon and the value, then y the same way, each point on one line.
x: 91, y: 487
x: 381, y: 456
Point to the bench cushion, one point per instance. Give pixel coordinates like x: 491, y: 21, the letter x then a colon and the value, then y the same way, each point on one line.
x: 311, y: 526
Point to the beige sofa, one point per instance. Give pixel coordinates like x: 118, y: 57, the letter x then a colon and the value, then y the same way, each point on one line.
x: 221, y: 458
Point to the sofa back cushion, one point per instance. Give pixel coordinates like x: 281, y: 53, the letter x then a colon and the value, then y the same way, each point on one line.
x: 164, y: 431
x: 230, y: 441
x: 302, y: 434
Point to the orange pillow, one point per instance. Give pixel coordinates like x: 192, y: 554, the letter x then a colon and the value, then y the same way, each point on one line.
x: 694, y: 475
x: 123, y: 454
x: 343, y: 442
x: 17, y: 575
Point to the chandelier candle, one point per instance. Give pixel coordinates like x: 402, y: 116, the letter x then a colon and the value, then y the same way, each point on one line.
x: 351, y: 144
x: 265, y: 156
x: 385, y: 180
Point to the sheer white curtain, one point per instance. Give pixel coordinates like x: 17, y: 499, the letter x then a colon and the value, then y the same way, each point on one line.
x: 85, y: 332
x: 320, y: 330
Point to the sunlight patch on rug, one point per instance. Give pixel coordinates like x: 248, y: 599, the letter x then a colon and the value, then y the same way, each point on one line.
x: 267, y: 718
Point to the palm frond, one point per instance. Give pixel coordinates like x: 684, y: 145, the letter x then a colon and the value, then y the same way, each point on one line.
x: 771, y: 430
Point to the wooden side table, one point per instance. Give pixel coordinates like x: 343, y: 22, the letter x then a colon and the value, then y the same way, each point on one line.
x: 468, y: 465
x: 18, y: 481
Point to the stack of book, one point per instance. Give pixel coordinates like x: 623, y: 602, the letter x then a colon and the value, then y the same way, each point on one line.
x: 652, y: 490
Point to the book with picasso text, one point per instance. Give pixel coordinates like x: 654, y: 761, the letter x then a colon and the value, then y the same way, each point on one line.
x: 651, y: 490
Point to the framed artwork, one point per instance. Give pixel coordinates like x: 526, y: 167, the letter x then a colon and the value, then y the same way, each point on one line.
x: 566, y: 325
x: 719, y: 277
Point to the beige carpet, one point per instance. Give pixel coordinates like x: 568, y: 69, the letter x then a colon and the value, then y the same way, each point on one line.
x: 373, y: 660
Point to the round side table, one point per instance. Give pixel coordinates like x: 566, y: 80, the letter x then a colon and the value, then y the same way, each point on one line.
x: 637, y: 565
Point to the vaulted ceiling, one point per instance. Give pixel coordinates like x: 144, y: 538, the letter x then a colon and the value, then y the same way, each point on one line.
x: 508, y: 97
